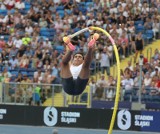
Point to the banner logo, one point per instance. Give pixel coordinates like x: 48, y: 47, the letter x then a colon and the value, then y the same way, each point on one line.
x: 50, y: 116
x: 2, y: 113
x: 124, y: 119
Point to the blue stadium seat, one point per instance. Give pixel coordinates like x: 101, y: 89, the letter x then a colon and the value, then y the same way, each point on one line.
x: 76, y: 29
x: 3, y: 12
x: 24, y: 72
x: 61, y: 13
x: 60, y: 8
x: 27, y: 6
x: 14, y: 73
x: 44, y: 29
x: 6, y: 37
x: 147, y: 98
x: 82, y: 3
x: 22, y: 69
x: 46, y: 34
x: 149, y: 34
x: 139, y: 22
x: 89, y: 3
x: 69, y: 12
x: 155, y: 98
x: 52, y: 32
x: 31, y: 70
x: 139, y: 28
x: 135, y: 98
x: 12, y: 11
x: 60, y: 49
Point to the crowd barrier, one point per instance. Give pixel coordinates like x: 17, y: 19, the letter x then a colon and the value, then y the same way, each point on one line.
x: 145, y: 121
x: 92, y: 97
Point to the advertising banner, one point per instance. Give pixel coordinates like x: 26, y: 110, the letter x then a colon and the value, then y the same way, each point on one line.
x: 149, y: 121
x: 126, y: 121
x: 80, y: 118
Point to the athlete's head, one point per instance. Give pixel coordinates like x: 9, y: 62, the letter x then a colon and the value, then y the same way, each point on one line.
x: 78, y: 58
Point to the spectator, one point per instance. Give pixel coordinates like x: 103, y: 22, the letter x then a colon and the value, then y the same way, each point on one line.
x: 155, y: 28
x: 139, y: 45
x: 2, y: 6
x: 124, y: 43
x: 147, y: 80
x: 43, y: 23
x: 99, y: 91
x: 13, y: 51
x: 9, y: 4
x: 128, y: 84
x: 29, y: 52
x: 130, y: 66
x: 4, y: 29
x: 14, y: 62
x: 2, y: 43
x: 6, y: 75
x: 110, y: 94
x: 155, y: 72
x: 19, y: 5
x: 38, y: 76
x: 24, y: 61
x: 26, y: 39
x: 55, y: 74
x: 93, y: 86
x: 47, y: 44
x: 21, y: 52
x: 29, y: 29
x: 105, y: 61
x: 101, y: 81
x: 46, y: 66
x: 19, y: 78
x: 17, y: 42
x: 10, y: 42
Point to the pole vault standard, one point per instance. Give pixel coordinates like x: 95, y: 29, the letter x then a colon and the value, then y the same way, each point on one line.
x: 117, y: 98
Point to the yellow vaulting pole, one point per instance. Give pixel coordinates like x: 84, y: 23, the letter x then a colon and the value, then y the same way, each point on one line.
x: 118, y: 78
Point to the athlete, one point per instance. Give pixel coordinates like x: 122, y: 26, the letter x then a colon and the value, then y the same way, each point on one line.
x: 75, y: 70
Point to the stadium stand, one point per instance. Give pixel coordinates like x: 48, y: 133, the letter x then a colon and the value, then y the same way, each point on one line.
x: 31, y: 34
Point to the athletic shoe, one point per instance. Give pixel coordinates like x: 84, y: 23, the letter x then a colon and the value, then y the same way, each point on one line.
x: 69, y: 44
x: 93, y: 40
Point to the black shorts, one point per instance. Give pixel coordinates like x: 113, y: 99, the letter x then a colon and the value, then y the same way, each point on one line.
x: 74, y: 87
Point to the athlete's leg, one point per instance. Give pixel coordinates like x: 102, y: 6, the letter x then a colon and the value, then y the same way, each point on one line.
x: 85, y: 72
x: 65, y: 69
x: 67, y: 79
x: 82, y: 80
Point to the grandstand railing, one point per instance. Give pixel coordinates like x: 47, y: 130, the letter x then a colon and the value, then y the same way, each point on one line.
x: 149, y: 54
x: 27, y: 94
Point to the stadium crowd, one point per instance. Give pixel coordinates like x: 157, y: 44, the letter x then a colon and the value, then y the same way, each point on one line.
x: 31, y: 46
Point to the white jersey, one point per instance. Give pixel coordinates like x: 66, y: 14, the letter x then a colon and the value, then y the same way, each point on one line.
x: 75, y: 70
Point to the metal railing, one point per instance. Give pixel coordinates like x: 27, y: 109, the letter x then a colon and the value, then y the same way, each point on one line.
x: 38, y: 94
x: 28, y: 93
x: 149, y: 54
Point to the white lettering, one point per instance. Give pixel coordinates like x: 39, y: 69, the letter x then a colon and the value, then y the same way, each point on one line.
x: 70, y: 114
x: 3, y: 111
x: 144, y: 117
x: 142, y: 123
x: 68, y: 120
